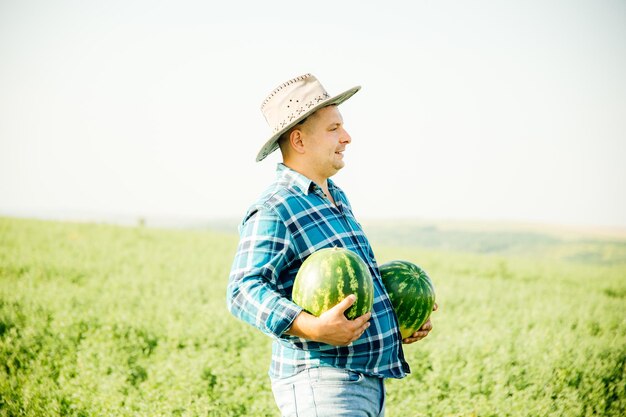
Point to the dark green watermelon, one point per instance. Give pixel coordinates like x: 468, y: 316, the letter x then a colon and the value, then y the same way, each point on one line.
x: 328, y: 276
x: 411, y: 292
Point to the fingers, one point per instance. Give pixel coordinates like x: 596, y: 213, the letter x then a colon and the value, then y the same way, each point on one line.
x: 360, y: 324
x: 346, y: 303
x: 417, y: 336
x: 334, y: 328
x: 420, y: 334
x: 435, y: 307
x: 360, y: 329
x: 363, y: 322
x: 412, y: 339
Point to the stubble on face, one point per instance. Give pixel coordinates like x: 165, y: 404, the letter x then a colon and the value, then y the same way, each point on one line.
x: 327, y: 140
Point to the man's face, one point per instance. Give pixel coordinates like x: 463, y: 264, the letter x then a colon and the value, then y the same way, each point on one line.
x: 325, y: 139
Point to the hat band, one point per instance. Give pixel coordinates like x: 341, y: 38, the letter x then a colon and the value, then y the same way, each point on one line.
x: 295, y: 114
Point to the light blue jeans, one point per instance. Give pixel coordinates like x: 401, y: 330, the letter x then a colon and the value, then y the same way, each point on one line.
x: 326, y: 391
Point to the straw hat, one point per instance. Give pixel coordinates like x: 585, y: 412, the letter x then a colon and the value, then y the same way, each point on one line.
x: 292, y: 102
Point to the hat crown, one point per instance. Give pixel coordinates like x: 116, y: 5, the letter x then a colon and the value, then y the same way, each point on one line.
x: 292, y: 99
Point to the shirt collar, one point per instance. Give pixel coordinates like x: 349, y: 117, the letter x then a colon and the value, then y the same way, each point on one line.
x: 294, y: 178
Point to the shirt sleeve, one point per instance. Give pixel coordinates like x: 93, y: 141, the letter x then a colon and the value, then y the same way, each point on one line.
x: 253, y: 287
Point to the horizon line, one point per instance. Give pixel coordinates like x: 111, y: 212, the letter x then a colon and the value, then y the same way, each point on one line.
x: 197, y: 221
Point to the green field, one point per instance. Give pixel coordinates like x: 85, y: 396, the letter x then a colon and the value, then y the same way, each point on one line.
x: 99, y: 320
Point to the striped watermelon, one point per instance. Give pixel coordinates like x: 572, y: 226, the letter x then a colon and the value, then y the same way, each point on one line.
x: 328, y: 276
x: 411, y: 293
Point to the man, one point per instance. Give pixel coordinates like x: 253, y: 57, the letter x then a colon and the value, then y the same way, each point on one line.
x: 325, y: 365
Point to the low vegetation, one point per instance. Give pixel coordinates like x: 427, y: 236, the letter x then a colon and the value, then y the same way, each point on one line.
x: 102, y: 320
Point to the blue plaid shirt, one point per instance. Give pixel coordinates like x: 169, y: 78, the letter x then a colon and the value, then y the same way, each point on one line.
x: 291, y: 220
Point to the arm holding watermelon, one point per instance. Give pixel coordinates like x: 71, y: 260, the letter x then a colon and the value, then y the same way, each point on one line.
x: 332, y: 326
x: 422, y: 332
x: 252, y: 293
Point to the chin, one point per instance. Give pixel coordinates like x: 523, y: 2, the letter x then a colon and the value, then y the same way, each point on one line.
x: 338, y: 165
x: 336, y: 169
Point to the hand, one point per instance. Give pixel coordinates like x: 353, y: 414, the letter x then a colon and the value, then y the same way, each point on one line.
x: 422, y: 332
x: 332, y: 326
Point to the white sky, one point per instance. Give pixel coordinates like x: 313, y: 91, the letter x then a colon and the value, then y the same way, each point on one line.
x: 488, y: 110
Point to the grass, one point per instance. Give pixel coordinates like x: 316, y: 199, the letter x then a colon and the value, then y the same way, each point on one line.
x: 105, y: 320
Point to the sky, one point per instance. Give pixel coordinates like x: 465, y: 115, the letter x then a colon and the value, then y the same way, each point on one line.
x: 478, y: 110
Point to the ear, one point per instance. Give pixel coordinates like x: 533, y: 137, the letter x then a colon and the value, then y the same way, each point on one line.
x: 296, y: 141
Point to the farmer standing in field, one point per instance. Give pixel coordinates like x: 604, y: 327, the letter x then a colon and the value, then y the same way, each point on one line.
x: 327, y: 365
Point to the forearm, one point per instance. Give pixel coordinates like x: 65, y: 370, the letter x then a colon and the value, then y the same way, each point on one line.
x: 254, y: 301
x: 332, y: 327
x: 304, y: 326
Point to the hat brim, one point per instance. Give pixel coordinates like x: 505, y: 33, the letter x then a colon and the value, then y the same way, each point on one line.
x: 272, y: 144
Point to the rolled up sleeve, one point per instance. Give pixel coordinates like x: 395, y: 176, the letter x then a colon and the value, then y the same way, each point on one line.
x: 254, y: 292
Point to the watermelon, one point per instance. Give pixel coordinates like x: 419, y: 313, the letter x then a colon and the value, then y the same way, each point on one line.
x: 328, y: 276
x: 411, y: 293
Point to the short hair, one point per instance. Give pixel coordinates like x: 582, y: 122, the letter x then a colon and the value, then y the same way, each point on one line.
x: 285, y: 135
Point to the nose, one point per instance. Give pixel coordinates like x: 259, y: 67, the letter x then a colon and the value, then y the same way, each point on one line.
x: 345, y: 137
